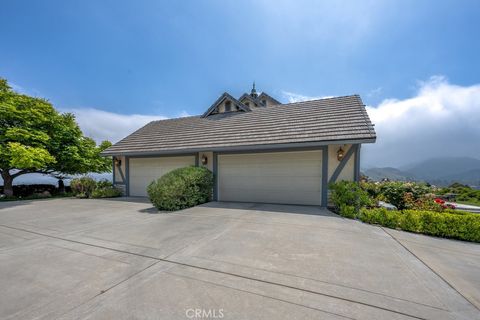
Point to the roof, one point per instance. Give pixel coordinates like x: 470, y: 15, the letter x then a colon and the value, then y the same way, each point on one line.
x: 224, y: 96
x: 324, y: 121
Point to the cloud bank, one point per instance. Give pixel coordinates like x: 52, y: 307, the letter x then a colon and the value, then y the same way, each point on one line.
x: 102, y: 125
x: 440, y: 120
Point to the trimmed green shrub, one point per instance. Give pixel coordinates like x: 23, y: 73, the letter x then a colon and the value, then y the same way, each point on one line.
x: 181, y: 188
x: 348, y: 193
x: 441, y: 224
x: 83, y: 187
x: 381, y: 216
x: 347, y: 211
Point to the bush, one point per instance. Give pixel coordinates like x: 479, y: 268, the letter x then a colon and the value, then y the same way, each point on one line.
x: 105, y: 189
x: 441, y: 224
x: 110, y: 192
x: 348, y: 194
x: 181, y: 188
x: 347, y: 211
x: 400, y: 193
x: 381, y: 216
x: 83, y: 187
x: 86, y: 187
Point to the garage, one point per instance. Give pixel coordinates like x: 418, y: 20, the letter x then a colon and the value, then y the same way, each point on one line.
x: 273, y: 177
x: 142, y: 171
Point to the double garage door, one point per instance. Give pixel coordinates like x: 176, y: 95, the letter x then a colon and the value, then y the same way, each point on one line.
x: 276, y: 177
x: 280, y: 177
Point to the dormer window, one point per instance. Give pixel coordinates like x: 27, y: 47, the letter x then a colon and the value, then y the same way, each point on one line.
x: 228, y: 106
x: 264, y: 102
x: 247, y: 104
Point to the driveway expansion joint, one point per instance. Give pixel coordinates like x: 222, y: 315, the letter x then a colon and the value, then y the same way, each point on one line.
x: 430, y: 268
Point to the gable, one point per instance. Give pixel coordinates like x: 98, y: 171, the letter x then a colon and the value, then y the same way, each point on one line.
x: 226, y: 103
x: 267, y: 100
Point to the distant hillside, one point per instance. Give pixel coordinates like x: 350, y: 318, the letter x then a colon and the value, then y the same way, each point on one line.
x: 388, y: 173
x: 441, y: 171
x: 442, y: 167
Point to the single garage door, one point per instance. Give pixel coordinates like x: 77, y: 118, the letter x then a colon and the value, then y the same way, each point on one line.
x: 280, y: 177
x: 142, y: 171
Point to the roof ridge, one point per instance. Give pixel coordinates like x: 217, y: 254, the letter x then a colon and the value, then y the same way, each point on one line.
x: 322, y: 99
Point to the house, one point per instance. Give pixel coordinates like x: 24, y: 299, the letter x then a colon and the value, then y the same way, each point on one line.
x: 259, y: 149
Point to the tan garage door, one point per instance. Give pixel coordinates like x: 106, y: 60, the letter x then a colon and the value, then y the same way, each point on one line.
x: 142, y: 171
x: 280, y: 177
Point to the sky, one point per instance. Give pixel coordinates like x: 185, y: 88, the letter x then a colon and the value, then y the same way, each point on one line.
x: 119, y: 64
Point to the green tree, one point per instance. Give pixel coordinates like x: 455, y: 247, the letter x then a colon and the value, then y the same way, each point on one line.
x: 35, y: 138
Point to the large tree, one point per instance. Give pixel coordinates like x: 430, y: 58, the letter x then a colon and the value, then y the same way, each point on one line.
x: 35, y: 138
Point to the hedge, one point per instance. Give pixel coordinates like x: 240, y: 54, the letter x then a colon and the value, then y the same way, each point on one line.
x: 181, y: 188
x: 462, y: 226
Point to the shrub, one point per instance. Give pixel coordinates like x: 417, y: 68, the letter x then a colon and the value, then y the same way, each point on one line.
x: 83, y: 187
x: 348, y: 193
x: 441, y: 224
x: 86, y: 187
x: 110, y: 192
x: 181, y: 188
x: 401, y: 194
x: 381, y: 216
x: 347, y: 211
x: 105, y: 189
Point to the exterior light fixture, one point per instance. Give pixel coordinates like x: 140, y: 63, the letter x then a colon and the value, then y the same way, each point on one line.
x: 204, y: 159
x: 340, y: 154
x: 117, y: 162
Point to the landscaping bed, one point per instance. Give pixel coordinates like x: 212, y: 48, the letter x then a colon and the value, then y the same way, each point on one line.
x: 417, y: 209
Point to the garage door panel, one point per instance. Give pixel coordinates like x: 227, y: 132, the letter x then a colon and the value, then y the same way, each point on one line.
x: 143, y: 171
x: 279, y: 177
x: 272, y: 183
x: 306, y: 198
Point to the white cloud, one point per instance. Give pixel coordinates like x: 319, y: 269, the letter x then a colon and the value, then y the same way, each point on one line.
x: 441, y: 120
x: 184, y: 114
x: 102, y: 125
x: 292, y: 97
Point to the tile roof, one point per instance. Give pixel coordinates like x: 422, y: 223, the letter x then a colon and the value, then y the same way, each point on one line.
x: 316, y: 121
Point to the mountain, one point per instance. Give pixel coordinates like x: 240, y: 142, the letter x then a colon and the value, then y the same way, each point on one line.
x: 440, y: 171
x: 388, y: 173
x: 436, y: 168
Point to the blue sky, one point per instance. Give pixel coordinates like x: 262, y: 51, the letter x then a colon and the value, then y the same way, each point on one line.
x: 166, y: 59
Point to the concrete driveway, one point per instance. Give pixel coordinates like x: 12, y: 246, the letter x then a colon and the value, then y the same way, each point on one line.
x: 114, y: 259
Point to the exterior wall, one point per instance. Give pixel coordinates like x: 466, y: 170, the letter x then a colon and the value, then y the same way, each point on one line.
x: 221, y: 107
x: 331, y: 169
x: 348, y: 172
x: 269, y: 102
x: 209, y: 156
x: 250, y: 103
x: 120, y: 174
